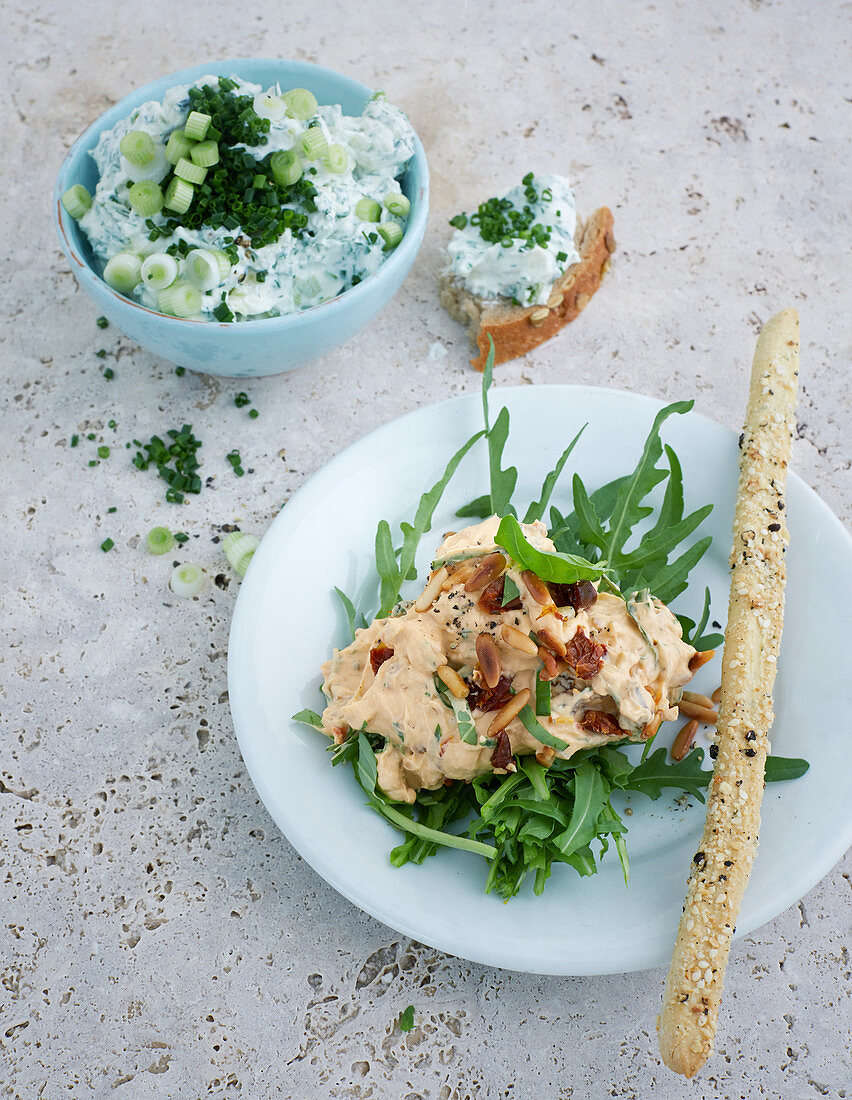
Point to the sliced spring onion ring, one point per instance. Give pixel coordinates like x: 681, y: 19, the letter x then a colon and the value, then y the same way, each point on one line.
x: 391, y: 234
x: 146, y: 198
x: 160, y: 540
x: 398, y: 204
x: 192, y: 173
x: 239, y: 549
x: 178, y: 146
x: 269, y: 106
x: 179, y: 196
x: 180, y: 299
x: 138, y: 147
x: 156, y: 169
x: 187, y: 580
x: 286, y: 167
x: 313, y: 143
x: 205, y: 154
x: 159, y: 271
x: 123, y: 272
x: 368, y: 210
x: 203, y: 269
x: 196, y: 126
x: 77, y: 201
x: 336, y: 159
x: 300, y: 103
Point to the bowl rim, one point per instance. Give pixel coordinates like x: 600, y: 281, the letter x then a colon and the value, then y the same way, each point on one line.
x: 83, y: 271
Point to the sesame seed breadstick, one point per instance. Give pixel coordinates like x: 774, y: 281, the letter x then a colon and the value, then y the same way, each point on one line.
x: 720, y: 868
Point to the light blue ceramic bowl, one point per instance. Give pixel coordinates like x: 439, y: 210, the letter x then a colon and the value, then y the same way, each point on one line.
x: 248, y: 348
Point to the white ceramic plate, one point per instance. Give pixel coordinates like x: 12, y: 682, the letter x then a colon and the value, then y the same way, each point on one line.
x: 287, y: 620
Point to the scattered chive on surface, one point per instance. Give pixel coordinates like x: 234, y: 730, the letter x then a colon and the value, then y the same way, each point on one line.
x: 107, y: 545
x: 102, y: 322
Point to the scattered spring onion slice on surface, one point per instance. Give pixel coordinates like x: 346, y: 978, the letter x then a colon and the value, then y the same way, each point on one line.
x: 239, y: 549
x: 160, y: 540
x: 77, y: 201
x: 391, y: 234
x: 197, y: 125
x: 178, y: 146
x: 123, y: 272
x: 181, y: 299
x: 187, y: 580
x: 398, y: 204
x: 146, y: 198
x: 138, y: 147
x: 368, y: 210
x: 300, y: 103
x: 286, y: 167
x: 159, y: 271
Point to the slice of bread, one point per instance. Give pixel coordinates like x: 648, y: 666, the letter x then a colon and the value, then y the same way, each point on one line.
x: 515, y: 330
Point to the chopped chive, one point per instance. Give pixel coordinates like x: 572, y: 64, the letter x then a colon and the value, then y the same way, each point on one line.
x: 113, y: 509
x: 181, y: 536
x: 103, y: 451
x: 101, y: 354
x: 253, y: 414
x: 180, y: 371
x: 109, y: 374
x: 242, y: 399
x: 75, y: 439
x: 102, y: 322
x: 107, y: 545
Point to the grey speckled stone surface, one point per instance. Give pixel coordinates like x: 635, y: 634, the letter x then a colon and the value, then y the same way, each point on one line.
x: 159, y: 937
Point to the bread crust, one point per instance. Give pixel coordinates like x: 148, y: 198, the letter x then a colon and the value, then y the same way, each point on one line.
x: 720, y: 868
x: 515, y: 330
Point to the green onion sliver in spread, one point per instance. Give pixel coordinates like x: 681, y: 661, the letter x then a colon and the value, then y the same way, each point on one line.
x: 187, y: 170
x: 178, y: 146
x: 204, y: 268
x: 336, y: 159
x: 159, y: 270
x: 300, y: 103
x: 160, y: 540
x: 146, y: 198
x: 391, y: 234
x: 239, y: 549
x: 205, y: 154
x: 123, y: 272
x: 179, y: 196
x: 368, y: 210
x: 187, y: 580
x: 286, y: 167
x: 77, y: 201
x: 314, y: 144
x: 137, y: 147
x: 269, y: 106
x: 398, y: 205
x: 181, y: 299
x: 197, y: 125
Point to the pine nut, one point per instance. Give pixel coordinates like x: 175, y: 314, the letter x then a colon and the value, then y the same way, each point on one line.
x: 489, y: 659
x: 507, y: 712
x: 699, y: 659
x: 693, y: 710
x: 717, y: 695
x: 683, y: 742
x: 487, y: 570
x: 545, y: 756
x: 549, y: 662
x: 536, y: 587
x: 427, y: 596
x: 697, y: 697
x: 549, y: 640
x: 518, y: 640
x: 652, y: 727
x: 454, y: 682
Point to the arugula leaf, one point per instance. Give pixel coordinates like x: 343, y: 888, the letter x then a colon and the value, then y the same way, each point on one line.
x: 309, y: 718
x: 655, y: 774
x: 406, y: 1019
x: 352, y: 616
x: 389, y: 572
x: 781, y: 768
x: 536, y: 509
x: 477, y: 509
x: 367, y: 768
x: 543, y: 704
x: 670, y: 581
x: 589, y: 797
x: 510, y: 591
x: 694, y: 635
x: 556, y: 567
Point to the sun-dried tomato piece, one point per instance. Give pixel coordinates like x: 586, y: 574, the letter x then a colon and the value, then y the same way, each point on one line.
x: 579, y: 596
x: 501, y: 755
x: 491, y: 600
x: 487, y: 698
x: 379, y: 654
x: 584, y: 655
x: 597, y: 721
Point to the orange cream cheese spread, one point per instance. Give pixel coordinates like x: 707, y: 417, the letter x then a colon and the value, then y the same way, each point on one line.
x: 459, y: 681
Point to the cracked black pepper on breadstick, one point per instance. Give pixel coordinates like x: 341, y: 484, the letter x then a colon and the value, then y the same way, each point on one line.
x: 720, y: 868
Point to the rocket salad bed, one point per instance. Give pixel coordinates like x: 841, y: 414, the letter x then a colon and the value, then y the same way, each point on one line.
x: 523, y: 821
